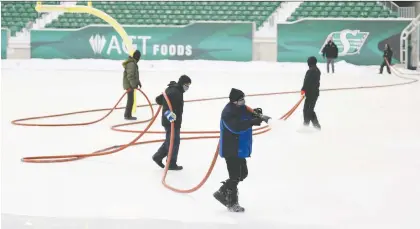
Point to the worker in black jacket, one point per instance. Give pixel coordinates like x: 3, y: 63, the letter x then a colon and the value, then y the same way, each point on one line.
x: 310, y: 90
x: 387, y: 56
x: 330, y: 51
x: 175, y: 93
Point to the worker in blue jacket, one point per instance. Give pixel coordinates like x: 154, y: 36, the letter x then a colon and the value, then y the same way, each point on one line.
x: 235, y: 145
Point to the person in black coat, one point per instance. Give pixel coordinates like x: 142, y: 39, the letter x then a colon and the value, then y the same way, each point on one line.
x: 387, y: 56
x: 330, y: 51
x: 310, y: 90
x: 235, y: 145
x: 175, y: 93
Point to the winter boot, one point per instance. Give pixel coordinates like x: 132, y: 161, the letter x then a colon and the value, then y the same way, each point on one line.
x: 233, y: 204
x: 315, y: 122
x: 316, y: 125
x: 130, y: 118
x: 221, y: 194
x: 174, y: 166
x: 158, y: 160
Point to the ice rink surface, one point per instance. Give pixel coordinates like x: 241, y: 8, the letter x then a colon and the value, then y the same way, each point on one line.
x: 362, y: 171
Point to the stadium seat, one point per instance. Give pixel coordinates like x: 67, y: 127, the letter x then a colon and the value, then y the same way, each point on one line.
x: 16, y: 15
x: 342, y: 9
x: 172, y: 12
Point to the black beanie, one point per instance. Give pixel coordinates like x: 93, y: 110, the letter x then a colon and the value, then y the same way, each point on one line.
x: 184, y: 79
x: 235, y: 95
x: 312, y: 61
x: 137, y: 55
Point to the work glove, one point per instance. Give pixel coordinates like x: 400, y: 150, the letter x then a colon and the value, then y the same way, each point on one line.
x: 171, y: 116
x: 159, y: 99
x: 258, y: 114
x: 258, y: 111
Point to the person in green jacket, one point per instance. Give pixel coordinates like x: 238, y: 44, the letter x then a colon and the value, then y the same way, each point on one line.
x: 131, y: 81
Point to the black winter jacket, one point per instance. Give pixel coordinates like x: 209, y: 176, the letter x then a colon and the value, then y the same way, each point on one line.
x: 330, y: 50
x: 388, y: 54
x: 175, y: 94
x: 312, y: 82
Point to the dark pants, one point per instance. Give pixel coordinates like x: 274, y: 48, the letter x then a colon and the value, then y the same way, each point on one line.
x: 129, y: 105
x: 238, y: 171
x: 330, y: 61
x: 309, y: 114
x: 164, y: 148
x: 384, y: 65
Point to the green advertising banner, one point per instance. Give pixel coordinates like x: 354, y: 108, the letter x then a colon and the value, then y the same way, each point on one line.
x: 4, y: 42
x: 359, y: 42
x: 205, y: 41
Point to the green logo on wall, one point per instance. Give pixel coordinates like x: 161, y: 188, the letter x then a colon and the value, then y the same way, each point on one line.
x: 359, y: 41
x: 349, y: 42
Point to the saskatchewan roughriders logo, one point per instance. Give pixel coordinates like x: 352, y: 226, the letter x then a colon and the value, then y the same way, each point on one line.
x: 97, y: 43
x: 349, y: 42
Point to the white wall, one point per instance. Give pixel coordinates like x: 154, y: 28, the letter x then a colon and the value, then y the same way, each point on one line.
x: 265, y: 49
x: 417, y: 5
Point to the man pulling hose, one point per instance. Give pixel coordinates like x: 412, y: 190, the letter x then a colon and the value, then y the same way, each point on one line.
x: 175, y: 93
x: 235, y: 145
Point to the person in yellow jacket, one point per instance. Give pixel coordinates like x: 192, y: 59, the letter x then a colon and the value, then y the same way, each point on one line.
x: 131, y: 81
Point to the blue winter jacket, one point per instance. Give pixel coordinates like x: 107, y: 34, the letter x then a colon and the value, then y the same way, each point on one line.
x: 235, y: 132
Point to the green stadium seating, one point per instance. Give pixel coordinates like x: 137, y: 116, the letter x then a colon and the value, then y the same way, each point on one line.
x: 15, y: 15
x: 342, y: 9
x: 170, y: 13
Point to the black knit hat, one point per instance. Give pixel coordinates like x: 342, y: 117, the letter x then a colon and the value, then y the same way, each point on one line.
x: 312, y: 61
x: 184, y: 79
x: 137, y: 55
x: 235, y: 95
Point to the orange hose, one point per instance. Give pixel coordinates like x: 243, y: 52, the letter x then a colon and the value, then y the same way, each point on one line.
x: 106, y: 151
x: 290, y: 112
x: 118, y: 148
x: 213, y: 162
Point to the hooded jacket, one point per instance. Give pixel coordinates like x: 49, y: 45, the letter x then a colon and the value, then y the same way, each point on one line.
x: 131, y: 74
x: 312, y: 79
